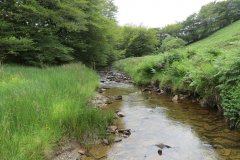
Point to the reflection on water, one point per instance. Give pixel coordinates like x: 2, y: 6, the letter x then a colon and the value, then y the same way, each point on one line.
x: 193, y: 132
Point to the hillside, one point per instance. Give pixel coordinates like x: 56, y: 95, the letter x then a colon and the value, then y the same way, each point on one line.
x: 225, y: 39
x: 210, y: 68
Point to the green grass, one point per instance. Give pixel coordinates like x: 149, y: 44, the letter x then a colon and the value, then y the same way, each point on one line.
x: 210, y: 67
x: 38, y: 107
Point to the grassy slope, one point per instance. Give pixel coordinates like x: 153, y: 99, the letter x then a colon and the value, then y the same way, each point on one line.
x: 210, y: 67
x: 38, y: 106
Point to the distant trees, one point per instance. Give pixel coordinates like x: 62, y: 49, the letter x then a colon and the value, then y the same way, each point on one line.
x: 138, y: 41
x: 38, y: 32
x: 211, y: 18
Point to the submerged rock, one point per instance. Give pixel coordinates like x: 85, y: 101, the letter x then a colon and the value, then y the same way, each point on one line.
x: 159, y: 152
x: 162, y: 146
x: 118, y: 98
x: 118, y: 140
x: 109, y: 101
x: 128, y: 133
x: 102, y: 81
x: 125, y: 136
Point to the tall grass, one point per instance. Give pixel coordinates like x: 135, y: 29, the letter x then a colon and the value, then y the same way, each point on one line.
x: 210, y: 67
x: 39, y: 106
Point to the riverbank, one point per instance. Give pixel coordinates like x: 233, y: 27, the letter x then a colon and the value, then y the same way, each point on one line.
x: 39, y: 107
x: 71, y: 149
x: 207, y: 70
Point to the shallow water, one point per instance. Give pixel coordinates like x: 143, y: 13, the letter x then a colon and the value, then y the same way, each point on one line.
x: 193, y: 132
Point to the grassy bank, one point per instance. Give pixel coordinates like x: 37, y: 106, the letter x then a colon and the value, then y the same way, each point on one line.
x: 39, y: 106
x: 210, y: 67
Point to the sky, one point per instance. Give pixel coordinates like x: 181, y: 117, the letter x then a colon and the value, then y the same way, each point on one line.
x: 156, y: 13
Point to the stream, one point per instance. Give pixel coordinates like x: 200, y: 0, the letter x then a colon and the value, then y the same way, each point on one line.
x: 191, y: 131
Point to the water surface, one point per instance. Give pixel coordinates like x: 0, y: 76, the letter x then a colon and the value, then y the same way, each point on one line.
x: 193, y: 132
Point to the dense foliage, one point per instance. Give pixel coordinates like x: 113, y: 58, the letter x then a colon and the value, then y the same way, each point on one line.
x: 38, y: 32
x: 40, y: 106
x: 209, y: 68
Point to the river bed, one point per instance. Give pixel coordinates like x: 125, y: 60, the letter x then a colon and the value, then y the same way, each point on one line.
x: 192, y: 132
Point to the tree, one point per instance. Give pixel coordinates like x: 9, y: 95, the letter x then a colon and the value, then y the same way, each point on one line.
x: 233, y: 7
x: 138, y: 41
x: 172, y: 29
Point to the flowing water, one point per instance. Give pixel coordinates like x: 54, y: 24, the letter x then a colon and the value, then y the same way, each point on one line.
x: 193, y: 132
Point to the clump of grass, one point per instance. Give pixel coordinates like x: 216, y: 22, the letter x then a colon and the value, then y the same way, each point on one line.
x: 39, y: 106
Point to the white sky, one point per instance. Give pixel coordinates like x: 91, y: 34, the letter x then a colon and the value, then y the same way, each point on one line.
x: 156, y: 13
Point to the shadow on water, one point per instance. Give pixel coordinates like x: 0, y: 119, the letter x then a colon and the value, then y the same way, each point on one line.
x: 193, y: 132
